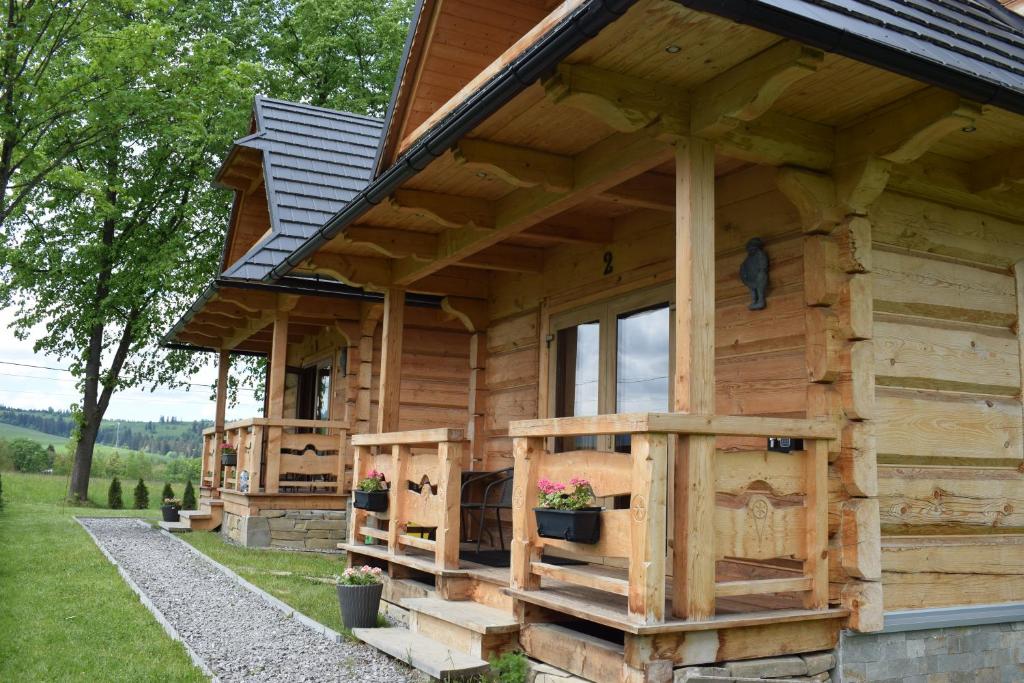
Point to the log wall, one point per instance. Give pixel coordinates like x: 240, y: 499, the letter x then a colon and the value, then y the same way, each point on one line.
x: 947, y: 368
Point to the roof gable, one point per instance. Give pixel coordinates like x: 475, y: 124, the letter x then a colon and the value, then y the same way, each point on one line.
x: 315, y: 161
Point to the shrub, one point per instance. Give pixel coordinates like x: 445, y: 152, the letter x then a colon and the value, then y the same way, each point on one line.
x: 511, y: 667
x: 168, y: 492
x: 188, y: 499
x: 28, y: 456
x: 141, y: 496
x: 114, y: 501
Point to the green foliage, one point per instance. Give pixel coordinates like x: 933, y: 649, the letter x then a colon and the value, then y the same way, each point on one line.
x: 141, y: 498
x: 511, y: 667
x: 188, y: 499
x: 557, y: 496
x: 28, y: 456
x: 372, y: 482
x: 341, y: 54
x: 1, y: 491
x: 168, y: 492
x: 361, y: 576
x: 114, y: 501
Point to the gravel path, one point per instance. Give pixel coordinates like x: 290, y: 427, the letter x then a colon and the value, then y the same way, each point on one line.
x: 240, y: 637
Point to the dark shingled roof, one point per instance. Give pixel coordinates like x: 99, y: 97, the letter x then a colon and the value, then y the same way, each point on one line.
x: 973, y: 47
x: 314, y: 161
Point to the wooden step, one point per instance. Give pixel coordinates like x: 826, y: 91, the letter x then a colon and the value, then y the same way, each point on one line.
x: 470, y: 615
x: 425, y: 654
x: 175, y: 527
x: 463, y: 625
x: 194, y: 514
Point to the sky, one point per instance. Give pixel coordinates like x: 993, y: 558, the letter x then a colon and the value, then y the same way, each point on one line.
x: 26, y: 387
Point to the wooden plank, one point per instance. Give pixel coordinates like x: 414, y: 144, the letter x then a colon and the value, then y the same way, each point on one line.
x: 608, y: 472
x: 816, y: 524
x: 738, y: 471
x: 725, y: 589
x: 525, y: 550
x: 697, y: 530
x: 919, y: 426
x: 397, y: 485
x: 411, y: 438
x: 614, y: 541
x: 755, y: 527
x: 580, y: 576
x: 943, y: 500
x: 648, y: 501
x: 921, y: 354
x: 593, y: 658
x: 674, y: 423
x: 391, y: 360
x: 449, y: 455
x: 415, y: 542
x: 928, y: 287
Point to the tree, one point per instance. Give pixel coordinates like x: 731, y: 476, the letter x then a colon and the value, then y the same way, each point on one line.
x: 141, y: 496
x: 188, y: 499
x: 341, y: 54
x: 168, y: 492
x: 114, y: 501
x: 28, y: 456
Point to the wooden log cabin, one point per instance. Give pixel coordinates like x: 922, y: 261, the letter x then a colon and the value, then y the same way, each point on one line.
x: 548, y: 261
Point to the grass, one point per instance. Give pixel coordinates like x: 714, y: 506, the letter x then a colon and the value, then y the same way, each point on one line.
x: 66, y: 614
x: 50, y: 489
x: 299, y: 579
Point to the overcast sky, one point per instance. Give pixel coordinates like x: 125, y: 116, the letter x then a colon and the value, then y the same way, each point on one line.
x: 25, y: 387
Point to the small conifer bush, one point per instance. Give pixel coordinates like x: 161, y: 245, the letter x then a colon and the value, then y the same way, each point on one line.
x: 188, y: 499
x: 141, y: 496
x: 114, y: 501
x: 168, y: 492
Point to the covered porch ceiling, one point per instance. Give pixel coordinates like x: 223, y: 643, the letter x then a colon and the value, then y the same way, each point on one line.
x: 585, y: 155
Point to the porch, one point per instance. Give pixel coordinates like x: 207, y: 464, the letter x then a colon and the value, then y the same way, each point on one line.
x: 733, y: 539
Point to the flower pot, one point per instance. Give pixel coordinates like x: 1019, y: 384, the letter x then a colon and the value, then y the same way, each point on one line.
x: 359, y: 605
x: 228, y: 459
x: 170, y: 513
x: 374, y: 501
x: 578, y: 526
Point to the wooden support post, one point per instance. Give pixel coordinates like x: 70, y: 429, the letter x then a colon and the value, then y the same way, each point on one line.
x: 647, y: 528
x: 391, y: 361
x: 693, y: 527
x: 396, y: 516
x: 275, y: 404
x: 342, y: 487
x: 357, y: 519
x: 477, y: 399
x: 448, y: 488
x: 527, y: 452
x: 256, y: 467
x: 816, y: 536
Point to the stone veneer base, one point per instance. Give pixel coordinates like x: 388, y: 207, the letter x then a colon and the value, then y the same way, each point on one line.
x: 316, y: 530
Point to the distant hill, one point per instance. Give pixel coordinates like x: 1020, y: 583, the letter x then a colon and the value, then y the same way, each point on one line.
x: 163, y: 437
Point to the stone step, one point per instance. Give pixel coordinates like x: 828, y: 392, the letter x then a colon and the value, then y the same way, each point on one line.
x: 425, y: 654
x: 175, y: 527
x: 469, y: 615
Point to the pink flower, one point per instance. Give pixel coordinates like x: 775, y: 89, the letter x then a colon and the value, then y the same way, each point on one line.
x: 548, y: 487
x: 374, y: 474
x: 579, y: 481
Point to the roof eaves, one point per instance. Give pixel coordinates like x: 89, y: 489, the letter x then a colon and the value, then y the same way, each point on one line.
x: 580, y: 25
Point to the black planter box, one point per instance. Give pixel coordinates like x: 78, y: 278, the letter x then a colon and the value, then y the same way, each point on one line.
x: 374, y: 501
x: 170, y: 513
x: 578, y: 526
x: 228, y: 459
x: 359, y: 605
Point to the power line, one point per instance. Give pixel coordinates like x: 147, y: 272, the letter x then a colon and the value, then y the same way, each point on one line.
x: 45, y: 367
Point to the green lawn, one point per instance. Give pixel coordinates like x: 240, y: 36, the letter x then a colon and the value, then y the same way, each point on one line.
x: 9, y: 432
x: 50, y: 489
x: 296, y: 578
x: 65, y: 613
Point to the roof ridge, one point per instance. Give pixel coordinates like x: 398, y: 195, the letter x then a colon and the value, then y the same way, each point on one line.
x: 303, y: 105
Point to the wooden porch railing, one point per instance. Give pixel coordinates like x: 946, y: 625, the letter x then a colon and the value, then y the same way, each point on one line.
x: 760, y: 504
x: 423, y: 471
x: 284, y: 447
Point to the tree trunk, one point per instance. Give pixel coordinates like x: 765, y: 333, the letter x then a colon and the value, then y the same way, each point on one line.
x: 82, y: 468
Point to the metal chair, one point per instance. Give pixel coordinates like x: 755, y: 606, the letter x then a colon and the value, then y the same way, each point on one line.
x: 497, y: 497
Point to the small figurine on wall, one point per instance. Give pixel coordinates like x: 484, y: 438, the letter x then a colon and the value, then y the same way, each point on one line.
x: 754, y: 273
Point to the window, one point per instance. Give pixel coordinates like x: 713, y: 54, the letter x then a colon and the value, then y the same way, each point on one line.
x: 612, y: 357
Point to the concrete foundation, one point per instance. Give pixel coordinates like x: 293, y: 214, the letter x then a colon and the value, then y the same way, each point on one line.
x: 320, y: 530
x: 815, y: 666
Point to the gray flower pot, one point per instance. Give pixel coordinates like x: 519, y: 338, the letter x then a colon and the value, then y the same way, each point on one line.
x: 359, y: 605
